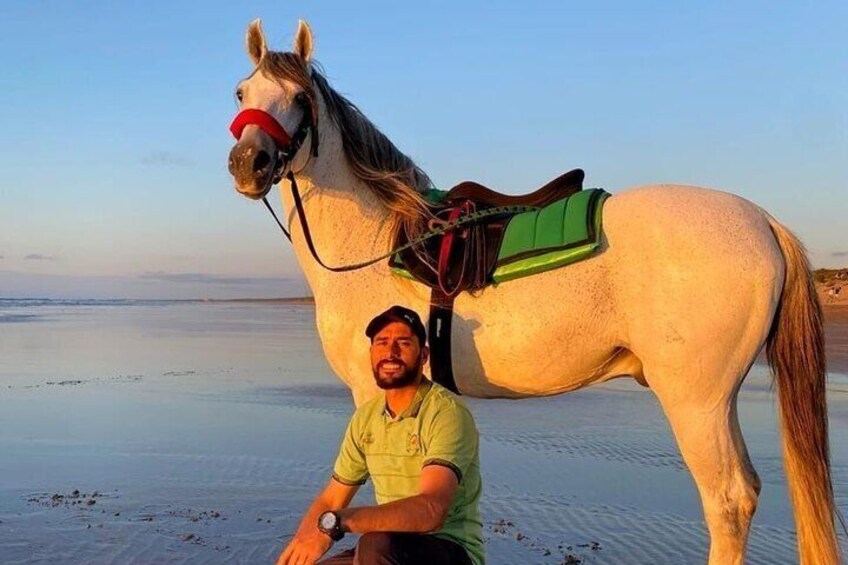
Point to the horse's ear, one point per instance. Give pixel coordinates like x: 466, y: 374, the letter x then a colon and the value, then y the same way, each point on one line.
x: 303, y: 41
x: 256, y: 47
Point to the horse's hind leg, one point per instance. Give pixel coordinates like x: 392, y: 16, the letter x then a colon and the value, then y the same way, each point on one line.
x: 712, y: 446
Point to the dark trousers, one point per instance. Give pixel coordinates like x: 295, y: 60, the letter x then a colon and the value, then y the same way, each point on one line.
x: 391, y: 548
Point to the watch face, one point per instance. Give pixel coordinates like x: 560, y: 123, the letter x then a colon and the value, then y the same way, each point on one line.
x: 328, y: 520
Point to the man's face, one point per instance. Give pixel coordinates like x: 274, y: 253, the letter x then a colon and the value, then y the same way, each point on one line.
x: 396, y: 356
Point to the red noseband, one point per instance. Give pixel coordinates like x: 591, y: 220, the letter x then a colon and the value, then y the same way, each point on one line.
x: 265, y: 121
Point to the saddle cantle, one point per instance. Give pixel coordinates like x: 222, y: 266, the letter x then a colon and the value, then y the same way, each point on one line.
x: 561, y: 187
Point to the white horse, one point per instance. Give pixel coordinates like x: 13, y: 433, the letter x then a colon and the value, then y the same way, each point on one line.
x: 688, y: 287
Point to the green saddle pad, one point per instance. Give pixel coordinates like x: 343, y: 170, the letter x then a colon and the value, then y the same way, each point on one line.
x: 559, y: 234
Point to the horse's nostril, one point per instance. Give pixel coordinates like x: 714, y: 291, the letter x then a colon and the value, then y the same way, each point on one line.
x: 262, y: 160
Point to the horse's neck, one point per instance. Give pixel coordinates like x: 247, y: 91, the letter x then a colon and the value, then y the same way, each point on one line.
x: 348, y: 224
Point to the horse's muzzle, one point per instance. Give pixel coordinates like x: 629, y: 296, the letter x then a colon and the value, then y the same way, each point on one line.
x: 253, y: 169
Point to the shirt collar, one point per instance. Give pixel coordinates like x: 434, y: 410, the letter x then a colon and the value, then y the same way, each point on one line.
x: 412, y: 410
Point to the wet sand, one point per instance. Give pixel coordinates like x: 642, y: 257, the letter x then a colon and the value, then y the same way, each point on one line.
x: 198, y: 433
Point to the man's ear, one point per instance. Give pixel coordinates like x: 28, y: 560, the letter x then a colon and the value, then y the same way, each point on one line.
x: 425, y: 354
x: 256, y: 47
x: 303, y: 43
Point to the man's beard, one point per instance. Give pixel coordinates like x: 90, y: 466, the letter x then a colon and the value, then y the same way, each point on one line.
x: 406, y: 378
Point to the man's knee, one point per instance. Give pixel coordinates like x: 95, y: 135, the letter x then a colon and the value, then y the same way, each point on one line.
x: 375, y: 548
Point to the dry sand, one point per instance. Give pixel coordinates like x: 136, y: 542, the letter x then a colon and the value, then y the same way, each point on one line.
x: 836, y: 338
x: 836, y: 335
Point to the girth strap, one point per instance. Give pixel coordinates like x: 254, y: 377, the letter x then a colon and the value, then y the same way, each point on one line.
x: 439, y: 336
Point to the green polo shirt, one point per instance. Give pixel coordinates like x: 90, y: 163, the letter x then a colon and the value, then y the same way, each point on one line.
x: 436, y: 429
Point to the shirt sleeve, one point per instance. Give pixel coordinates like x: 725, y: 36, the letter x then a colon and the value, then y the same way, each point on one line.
x: 350, y: 467
x: 452, y: 440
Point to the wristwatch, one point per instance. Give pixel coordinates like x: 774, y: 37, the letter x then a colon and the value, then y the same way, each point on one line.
x: 331, y: 524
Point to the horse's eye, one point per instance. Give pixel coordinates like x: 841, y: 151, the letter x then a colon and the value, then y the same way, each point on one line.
x: 239, y: 95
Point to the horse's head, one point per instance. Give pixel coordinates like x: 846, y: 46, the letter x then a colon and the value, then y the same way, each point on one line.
x: 276, y: 114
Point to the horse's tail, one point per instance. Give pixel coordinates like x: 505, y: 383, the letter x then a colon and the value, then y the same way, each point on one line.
x: 795, y: 349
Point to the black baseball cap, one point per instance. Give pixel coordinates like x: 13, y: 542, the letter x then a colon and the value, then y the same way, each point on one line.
x: 397, y: 314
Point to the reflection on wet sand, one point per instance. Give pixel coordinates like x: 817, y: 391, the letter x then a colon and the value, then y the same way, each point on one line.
x: 198, y: 432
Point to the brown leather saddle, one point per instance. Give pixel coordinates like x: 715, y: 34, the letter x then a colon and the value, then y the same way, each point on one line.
x: 561, y: 187
x: 464, y: 259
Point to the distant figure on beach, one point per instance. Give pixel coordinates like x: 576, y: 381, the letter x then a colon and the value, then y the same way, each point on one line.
x: 418, y: 442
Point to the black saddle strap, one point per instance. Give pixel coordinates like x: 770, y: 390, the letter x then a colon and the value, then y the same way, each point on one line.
x: 439, y: 336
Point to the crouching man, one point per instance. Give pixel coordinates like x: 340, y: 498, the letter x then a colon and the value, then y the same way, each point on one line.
x: 418, y: 443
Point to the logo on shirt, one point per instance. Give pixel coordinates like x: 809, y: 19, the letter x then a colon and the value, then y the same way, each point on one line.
x: 412, y: 443
x: 367, y: 438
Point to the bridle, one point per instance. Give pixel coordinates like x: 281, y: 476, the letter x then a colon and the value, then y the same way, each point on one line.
x: 287, y: 147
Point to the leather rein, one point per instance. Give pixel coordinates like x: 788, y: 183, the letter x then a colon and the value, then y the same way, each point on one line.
x: 288, y: 146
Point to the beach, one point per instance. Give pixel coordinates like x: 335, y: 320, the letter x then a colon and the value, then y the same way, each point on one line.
x: 836, y: 334
x: 198, y: 432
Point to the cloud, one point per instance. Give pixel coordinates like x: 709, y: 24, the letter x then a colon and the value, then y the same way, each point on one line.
x: 204, y: 278
x: 165, y: 159
x: 39, y: 257
x: 840, y: 254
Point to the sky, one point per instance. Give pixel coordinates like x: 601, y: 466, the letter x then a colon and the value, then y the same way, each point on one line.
x: 113, y: 158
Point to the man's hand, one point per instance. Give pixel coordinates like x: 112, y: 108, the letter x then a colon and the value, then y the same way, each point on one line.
x: 310, y: 543
x: 305, y: 549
